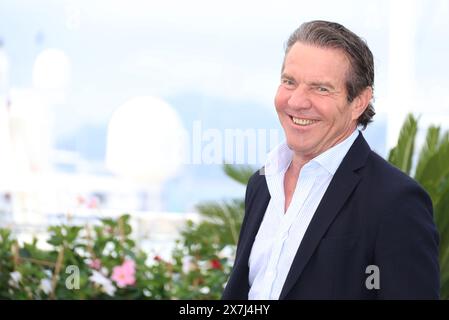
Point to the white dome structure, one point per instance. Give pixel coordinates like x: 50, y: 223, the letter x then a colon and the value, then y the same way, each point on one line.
x: 51, y: 70
x: 146, y: 141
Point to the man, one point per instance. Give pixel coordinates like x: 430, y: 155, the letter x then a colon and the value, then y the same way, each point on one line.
x: 329, y: 218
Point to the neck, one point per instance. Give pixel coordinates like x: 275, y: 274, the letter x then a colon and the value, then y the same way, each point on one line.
x: 297, y: 163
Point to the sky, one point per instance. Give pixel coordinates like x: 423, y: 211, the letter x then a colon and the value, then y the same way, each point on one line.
x: 120, y: 49
x: 231, y: 49
x: 212, y: 60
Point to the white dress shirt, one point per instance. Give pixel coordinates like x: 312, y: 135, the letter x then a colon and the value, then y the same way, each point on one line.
x: 280, y: 234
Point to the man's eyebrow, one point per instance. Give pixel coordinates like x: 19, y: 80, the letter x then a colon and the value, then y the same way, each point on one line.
x: 314, y: 83
x: 326, y: 84
x: 285, y: 75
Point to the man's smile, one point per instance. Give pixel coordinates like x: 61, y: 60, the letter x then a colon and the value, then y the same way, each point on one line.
x: 302, y: 121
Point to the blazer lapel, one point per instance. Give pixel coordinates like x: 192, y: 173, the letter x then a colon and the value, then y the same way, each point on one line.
x: 340, y: 188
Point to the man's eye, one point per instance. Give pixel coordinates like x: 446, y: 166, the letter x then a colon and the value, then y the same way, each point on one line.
x: 287, y: 82
x: 322, y: 89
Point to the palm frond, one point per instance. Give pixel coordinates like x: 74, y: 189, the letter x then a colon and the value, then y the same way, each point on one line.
x: 436, y: 170
x: 428, y: 150
x: 239, y: 173
x: 432, y: 172
x: 224, y: 219
x: 401, y: 155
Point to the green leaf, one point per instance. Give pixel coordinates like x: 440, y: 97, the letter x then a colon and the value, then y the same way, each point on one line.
x: 432, y: 172
x: 226, y: 218
x: 401, y: 155
x: 427, y: 151
x: 435, y: 170
x: 239, y: 173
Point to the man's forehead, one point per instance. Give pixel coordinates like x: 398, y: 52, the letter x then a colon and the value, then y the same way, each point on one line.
x: 300, y: 48
x: 315, y: 63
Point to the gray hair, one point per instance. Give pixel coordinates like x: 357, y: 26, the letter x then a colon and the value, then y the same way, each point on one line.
x: 327, y: 34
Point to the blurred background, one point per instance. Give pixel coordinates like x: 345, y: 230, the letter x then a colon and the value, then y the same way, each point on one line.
x: 109, y: 107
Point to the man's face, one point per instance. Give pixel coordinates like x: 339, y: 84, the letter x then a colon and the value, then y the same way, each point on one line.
x: 311, y: 100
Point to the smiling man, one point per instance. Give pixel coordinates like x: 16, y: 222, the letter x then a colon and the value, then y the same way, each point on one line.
x: 327, y: 218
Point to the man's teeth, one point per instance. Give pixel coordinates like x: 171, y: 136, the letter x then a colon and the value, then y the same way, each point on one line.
x: 303, y: 122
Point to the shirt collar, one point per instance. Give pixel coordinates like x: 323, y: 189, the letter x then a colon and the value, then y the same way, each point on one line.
x: 331, y: 158
x: 280, y: 157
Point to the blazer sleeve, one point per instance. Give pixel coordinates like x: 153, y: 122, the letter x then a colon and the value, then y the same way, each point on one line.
x: 237, y: 286
x: 248, y: 198
x: 406, y: 250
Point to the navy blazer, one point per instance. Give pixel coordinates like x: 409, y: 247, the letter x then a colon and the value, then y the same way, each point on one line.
x: 371, y: 214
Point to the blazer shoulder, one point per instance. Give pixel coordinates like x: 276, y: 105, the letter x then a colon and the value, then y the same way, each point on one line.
x: 390, y: 178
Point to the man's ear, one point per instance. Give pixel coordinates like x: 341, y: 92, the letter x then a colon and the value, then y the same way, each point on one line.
x: 361, y: 102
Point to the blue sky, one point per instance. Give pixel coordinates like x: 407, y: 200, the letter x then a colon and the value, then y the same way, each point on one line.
x: 210, y: 60
x: 119, y: 49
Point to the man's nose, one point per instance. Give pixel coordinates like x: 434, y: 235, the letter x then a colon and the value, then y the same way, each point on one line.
x: 300, y: 98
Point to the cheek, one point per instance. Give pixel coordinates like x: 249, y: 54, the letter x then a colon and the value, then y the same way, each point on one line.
x: 277, y: 103
x: 280, y: 100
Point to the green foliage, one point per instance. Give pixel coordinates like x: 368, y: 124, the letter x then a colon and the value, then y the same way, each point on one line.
x: 240, y: 174
x: 221, y: 223
x: 401, y: 155
x: 28, y: 272
x: 211, y: 242
x: 197, y: 269
x: 432, y: 172
x: 429, y: 149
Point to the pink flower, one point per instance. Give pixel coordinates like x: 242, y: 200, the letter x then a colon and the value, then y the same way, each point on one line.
x: 95, y: 264
x: 124, y: 275
x: 130, y: 266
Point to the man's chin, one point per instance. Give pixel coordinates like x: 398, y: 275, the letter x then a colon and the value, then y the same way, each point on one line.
x: 297, y: 148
